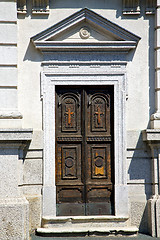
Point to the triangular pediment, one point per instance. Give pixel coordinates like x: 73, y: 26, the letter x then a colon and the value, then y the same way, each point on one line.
x: 85, y: 30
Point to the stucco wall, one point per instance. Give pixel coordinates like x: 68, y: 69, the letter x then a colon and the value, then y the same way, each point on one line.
x: 140, y: 100
x: 140, y: 66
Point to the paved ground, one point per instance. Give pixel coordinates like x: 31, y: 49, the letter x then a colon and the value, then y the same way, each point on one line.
x: 139, y: 237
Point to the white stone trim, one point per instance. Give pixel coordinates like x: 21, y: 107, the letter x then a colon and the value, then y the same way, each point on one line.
x: 123, y: 46
x: 49, y: 80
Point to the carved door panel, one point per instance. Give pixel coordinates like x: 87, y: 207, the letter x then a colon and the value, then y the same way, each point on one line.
x: 84, y: 149
x: 98, y: 162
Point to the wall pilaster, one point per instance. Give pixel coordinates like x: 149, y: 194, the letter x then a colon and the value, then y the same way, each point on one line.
x: 152, y: 137
x: 155, y: 118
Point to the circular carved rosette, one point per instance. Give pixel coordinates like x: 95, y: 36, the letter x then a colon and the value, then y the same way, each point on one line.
x: 99, y: 163
x: 69, y: 163
x: 84, y: 32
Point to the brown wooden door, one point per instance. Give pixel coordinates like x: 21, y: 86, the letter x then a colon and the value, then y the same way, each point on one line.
x: 84, y: 150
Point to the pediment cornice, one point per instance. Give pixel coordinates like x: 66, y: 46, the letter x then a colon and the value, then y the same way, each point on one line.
x: 122, y: 39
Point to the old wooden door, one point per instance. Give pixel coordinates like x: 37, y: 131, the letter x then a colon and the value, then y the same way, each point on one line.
x: 84, y: 150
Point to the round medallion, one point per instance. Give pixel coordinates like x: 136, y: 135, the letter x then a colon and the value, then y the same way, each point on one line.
x: 84, y: 33
x: 99, y: 162
x: 69, y: 163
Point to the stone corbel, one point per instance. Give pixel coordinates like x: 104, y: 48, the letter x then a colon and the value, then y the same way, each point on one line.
x: 152, y: 138
x: 40, y: 7
x: 21, y: 6
x: 131, y: 7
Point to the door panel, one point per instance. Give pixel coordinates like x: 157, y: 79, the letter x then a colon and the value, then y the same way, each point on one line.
x: 98, y: 158
x: 98, y: 112
x: 84, y: 150
x: 69, y: 179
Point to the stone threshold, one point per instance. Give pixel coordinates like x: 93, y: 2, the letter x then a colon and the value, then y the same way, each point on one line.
x: 86, y: 226
x: 91, y: 218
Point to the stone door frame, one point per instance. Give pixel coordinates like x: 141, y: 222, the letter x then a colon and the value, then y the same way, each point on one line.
x: 59, y: 73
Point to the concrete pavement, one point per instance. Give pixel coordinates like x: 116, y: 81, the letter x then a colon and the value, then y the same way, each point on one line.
x: 139, y: 237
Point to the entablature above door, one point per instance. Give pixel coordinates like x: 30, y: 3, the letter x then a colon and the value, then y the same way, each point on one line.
x: 85, y: 30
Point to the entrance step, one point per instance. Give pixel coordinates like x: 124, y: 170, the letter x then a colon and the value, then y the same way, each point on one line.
x: 86, y: 226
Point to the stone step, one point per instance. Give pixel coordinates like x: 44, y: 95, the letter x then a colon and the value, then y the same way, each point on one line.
x: 88, y: 231
x: 86, y: 225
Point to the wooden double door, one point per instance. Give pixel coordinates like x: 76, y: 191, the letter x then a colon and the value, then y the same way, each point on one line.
x: 84, y: 150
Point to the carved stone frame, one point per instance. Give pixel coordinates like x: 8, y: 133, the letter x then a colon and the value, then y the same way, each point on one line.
x: 54, y: 75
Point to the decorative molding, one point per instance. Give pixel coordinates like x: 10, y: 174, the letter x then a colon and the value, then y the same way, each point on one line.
x: 21, y: 6
x: 71, y: 139
x: 123, y: 46
x: 150, y: 6
x: 124, y: 40
x: 99, y: 139
x: 40, y: 7
x: 155, y: 116
x: 131, y: 7
x: 84, y: 32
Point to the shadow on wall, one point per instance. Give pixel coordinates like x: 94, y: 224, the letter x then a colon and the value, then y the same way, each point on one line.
x: 140, y: 179
x: 143, y: 227
x: 72, y: 4
x: 93, y: 4
x: 33, y: 54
